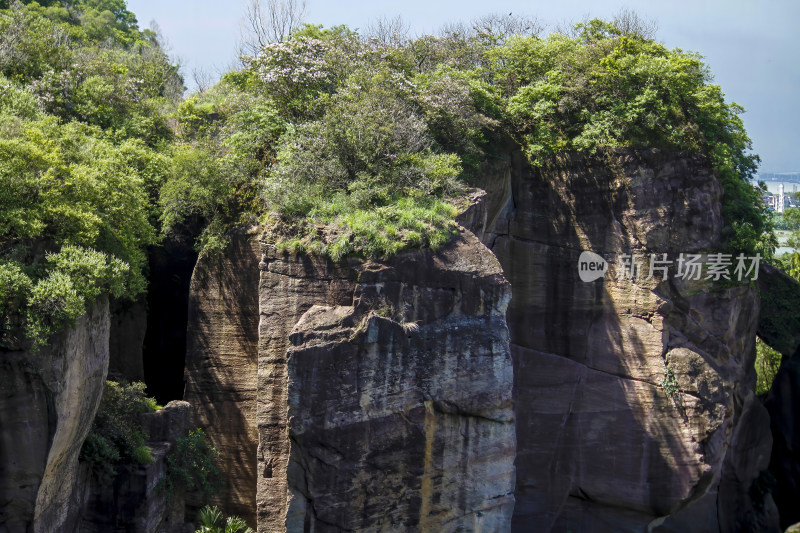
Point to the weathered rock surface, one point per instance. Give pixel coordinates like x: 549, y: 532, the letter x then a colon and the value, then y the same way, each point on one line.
x: 779, y: 326
x: 400, y: 414
x: 48, y: 400
x: 601, y: 446
x: 381, y: 388
x: 384, y: 393
x: 221, y: 361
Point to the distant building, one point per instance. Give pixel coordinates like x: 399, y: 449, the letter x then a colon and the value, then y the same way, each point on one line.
x: 779, y: 202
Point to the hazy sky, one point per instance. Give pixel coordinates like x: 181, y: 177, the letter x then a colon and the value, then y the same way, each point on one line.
x: 752, y: 46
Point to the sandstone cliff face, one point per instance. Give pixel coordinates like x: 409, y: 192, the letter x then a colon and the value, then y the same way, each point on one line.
x: 221, y: 361
x: 384, y: 393
x: 378, y: 392
x: 47, y: 405
x: 601, y: 446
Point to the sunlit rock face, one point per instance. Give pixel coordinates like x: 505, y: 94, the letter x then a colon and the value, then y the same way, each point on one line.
x: 48, y: 399
x: 221, y: 367
x: 397, y: 392
x: 604, y: 444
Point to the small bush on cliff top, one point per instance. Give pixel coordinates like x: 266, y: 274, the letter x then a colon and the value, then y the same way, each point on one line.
x: 361, y: 127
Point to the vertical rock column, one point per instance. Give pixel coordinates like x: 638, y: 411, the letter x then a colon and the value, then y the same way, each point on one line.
x: 289, y: 286
x: 385, y: 393
x: 221, y: 362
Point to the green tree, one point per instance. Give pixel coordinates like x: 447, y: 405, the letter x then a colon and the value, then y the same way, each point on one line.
x: 75, y: 219
x: 791, y: 219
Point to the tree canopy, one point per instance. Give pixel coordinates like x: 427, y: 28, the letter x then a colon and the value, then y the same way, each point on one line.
x: 336, y: 142
x: 84, y: 150
x: 370, y: 129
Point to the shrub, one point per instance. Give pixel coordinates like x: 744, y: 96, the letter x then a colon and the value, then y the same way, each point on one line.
x: 368, y: 169
x: 606, y: 88
x: 75, y: 218
x: 54, y: 303
x: 768, y: 361
x: 213, y: 521
x: 116, y: 436
x: 336, y: 127
x: 192, y: 465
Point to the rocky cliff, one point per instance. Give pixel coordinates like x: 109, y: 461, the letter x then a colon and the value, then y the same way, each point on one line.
x: 399, y: 404
x: 384, y: 389
x: 779, y: 326
x: 48, y: 400
x: 134, y: 500
x: 380, y: 393
x: 602, y: 445
x: 221, y: 365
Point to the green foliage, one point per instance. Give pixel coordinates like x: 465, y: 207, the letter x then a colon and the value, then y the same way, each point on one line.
x: 344, y: 145
x: 192, y: 465
x: 228, y: 138
x: 76, y: 277
x: 460, y: 109
x: 778, y: 221
x: 768, y: 361
x: 669, y: 384
x: 336, y: 228
x: 299, y: 74
x: 791, y: 221
x: 101, y: 455
x: 116, y: 436
x: 76, y: 214
x: 16, y: 101
x: 213, y: 521
x: 88, y: 61
x: 379, y: 164
x: 15, y: 286
x: 791, y: 265
x: 606, y: 88
x: 54, y: 303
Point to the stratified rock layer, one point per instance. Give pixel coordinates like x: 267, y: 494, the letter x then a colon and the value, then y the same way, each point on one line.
x: 221, y: 359
x: 602, y: 446
x: 387, y: 405
x: 48, y: 400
